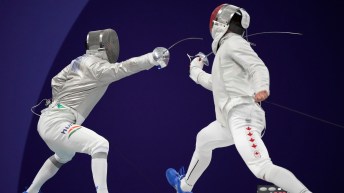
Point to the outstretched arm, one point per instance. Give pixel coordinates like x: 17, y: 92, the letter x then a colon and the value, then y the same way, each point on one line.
x: 110, y: 72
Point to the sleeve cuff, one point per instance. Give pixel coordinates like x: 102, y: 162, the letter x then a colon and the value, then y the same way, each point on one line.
x: 262, y: 89
x: 151, y: 59
x: 194, y: 73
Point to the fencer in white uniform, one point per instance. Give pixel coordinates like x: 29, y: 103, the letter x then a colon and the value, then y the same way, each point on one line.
x: 75, y: 92
x: 239, y: 80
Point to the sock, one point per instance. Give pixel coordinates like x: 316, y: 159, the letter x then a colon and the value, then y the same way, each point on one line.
x: 185, y: 186
x: 47, y: 171
x: 199, y: 163
x: 99, y: 172
x: 285, y: 179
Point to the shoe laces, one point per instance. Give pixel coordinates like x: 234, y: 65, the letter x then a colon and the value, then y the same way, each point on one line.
x: 181, y: 173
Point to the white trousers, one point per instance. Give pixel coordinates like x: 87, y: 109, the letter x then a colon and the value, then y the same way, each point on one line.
x: 245, y: 125
x: 65, y: 138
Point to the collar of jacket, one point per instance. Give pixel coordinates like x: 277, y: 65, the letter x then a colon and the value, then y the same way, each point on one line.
x: 226, y: 36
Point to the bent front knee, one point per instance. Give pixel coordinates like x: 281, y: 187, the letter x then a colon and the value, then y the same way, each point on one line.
x: 101, y: 146
x: 59, y: 161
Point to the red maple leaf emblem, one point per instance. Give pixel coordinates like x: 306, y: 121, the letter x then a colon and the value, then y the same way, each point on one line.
x: 254, y: 145
x: 257, y: 154
x: 249, y: 134
x: 248, y: 128
x: 252, y: 140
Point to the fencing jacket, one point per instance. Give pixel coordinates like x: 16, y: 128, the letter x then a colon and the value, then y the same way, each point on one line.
x: 237, y: 74
x: 81, y: 84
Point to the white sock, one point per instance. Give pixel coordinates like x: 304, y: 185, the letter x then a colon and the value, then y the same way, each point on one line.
x: 99, y: 172
x: 47, y: 171
x: 199, y: 163
x: 185, y: 186
x: 285, y: 179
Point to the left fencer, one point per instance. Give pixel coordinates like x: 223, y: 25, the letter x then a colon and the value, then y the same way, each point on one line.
x: 75, y: 92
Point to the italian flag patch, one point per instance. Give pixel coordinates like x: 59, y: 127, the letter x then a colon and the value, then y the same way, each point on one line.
x: 73, y: 129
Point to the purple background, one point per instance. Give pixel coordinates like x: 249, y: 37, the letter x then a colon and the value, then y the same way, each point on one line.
x: 151, y: 119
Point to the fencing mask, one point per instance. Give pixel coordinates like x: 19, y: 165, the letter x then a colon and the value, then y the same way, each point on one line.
x: 224, y: 17
x: 104, y: 40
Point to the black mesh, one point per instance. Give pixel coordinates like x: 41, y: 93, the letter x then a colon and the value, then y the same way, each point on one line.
x: 104, y: 40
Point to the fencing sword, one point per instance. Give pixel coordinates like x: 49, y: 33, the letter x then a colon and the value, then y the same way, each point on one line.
x: 204, y: 57
x: 182, y: 40
x: 162, y: 55
x: 304, y: 114
x: 274, y: 32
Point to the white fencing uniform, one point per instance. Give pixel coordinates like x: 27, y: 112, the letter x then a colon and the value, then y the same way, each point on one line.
x: 76, y: 90
x: 237, y: 74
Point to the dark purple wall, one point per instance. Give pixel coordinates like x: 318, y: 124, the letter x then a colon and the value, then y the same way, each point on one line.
x: 32, y: 32
x: 151, y: 119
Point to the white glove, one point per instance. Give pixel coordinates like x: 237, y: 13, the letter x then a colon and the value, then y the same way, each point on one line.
x: 161, y: 55
x: 196, y: 67
x: 197, y: 62
x: 202, y: 57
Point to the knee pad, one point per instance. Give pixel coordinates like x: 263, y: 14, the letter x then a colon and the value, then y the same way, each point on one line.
x: 100, y: 155
x: 261, y: 168
x: 58, y: 161
x: 102, y: 145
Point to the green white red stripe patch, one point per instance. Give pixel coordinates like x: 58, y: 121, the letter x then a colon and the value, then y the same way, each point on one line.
x: 73, y: 129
